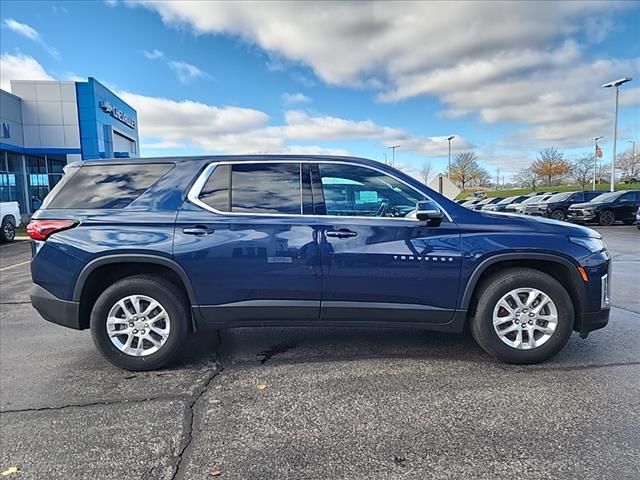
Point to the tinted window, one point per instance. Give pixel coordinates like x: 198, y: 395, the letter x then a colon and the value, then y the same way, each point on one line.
x: 105, y: 186
x: 607, y: 197
x: 255, y: 188
x: 576, y: 197
x: 215, y: 192
x: 351, y: 190
x: 559, y: 197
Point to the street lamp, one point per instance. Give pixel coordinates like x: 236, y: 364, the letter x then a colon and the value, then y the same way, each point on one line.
x: 633, y: 149
x: 393, y: 154
x: 615, y: 83
x: 595, y: 159
x: 451, y: 137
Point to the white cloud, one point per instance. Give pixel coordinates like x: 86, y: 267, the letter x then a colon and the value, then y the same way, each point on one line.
x: 153, y: 54
x: 293, y: 98
x: 503, y: 61
x: 20, y: 67
x: 167, y: 124
x: 30, y: 33
x: 185, y: 71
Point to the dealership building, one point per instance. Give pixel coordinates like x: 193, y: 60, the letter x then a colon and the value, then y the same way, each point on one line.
x: 47, y: 124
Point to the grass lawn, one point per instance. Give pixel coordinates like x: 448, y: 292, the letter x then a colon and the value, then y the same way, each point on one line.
x: 558, y: 188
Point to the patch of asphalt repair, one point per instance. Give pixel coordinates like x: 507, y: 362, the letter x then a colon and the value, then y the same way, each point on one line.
x: 274, y: 351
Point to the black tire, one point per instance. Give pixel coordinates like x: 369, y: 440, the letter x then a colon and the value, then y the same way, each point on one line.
x: 558, y: 214
x: 498, y: 285
x: 7, y: 230
x: 607, y: 218
x: 172, y: 300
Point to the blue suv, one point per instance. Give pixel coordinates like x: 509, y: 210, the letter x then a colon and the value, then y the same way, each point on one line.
x: 144, y: 252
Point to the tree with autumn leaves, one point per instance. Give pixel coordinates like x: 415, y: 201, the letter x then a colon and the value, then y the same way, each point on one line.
x: 551, y: 165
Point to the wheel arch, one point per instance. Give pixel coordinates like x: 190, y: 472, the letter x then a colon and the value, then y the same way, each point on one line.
x: 560, y: 268
x: 104, y: 271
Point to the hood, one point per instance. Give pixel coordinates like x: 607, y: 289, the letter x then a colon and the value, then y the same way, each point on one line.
x: 586, y: 204
x: 519, y: 223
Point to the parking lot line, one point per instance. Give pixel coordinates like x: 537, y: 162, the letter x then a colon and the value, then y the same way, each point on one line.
x: 14, y: 265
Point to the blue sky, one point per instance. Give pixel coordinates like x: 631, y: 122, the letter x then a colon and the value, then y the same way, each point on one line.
x: 506, y: 78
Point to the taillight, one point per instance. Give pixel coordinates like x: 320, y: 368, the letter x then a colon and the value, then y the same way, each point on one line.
x: 43, y: 229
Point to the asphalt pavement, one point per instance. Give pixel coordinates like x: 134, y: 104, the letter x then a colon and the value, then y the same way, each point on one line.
x: 314, y: 403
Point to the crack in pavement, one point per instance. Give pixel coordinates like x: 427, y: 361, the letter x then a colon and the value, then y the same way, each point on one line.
x: 190, y: 408
x: 93, y: 404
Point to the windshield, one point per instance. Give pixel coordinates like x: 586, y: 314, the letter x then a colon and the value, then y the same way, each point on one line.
x: 506, y: 200
x: 537, y: 198
x: 558, y: 197
x: 607, y: 197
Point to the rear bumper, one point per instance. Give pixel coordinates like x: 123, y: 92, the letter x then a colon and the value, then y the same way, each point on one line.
x: 53, y: 309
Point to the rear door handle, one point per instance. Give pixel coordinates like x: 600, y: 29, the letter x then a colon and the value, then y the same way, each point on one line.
x: 341, y: 233
x: 198, y: 230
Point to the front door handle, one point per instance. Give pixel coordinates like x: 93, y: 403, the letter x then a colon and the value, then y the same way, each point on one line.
x: 341, y: 233
x: 198, y: 230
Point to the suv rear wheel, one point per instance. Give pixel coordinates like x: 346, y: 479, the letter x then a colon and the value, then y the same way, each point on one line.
x: 523, y: 316
x: 140, y: 322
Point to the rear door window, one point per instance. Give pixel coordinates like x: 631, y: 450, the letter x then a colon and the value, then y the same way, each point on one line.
x: 266, y: 188
x: 104, y: 186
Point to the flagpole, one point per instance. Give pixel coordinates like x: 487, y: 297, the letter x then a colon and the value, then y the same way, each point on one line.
x: 595, y: 161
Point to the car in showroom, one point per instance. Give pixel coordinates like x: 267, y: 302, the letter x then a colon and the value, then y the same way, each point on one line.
x: 558, y: 205
x: 502, y: 205
x: 607, y: 208
x: 145, y: 252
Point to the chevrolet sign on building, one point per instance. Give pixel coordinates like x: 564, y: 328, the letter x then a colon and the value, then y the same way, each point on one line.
x: 47, y: 124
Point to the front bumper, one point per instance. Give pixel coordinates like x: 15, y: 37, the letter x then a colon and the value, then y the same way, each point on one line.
x: 53, y: 309
x: 594, y: 321
x: 580, y: 216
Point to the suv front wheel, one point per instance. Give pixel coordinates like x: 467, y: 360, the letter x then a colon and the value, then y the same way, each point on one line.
x: 522, y: 316
x: 140, y: 322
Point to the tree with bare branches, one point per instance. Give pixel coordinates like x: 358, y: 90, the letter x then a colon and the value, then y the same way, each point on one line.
x: 582, y: 170
x: 629, y: 165
x: 529, y: 178
x: 425, y: 171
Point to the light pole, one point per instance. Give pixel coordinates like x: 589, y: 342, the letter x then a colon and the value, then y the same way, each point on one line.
x: 615, y: 83
x: 393, y: 154
x: 595, y: 159
x: 449, y: 138
x: 633, y: 149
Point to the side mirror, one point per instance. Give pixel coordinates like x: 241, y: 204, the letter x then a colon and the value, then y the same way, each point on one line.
x: 429, y: 212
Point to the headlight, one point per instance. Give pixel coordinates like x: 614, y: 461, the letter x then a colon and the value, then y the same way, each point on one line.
x: 594, y: 245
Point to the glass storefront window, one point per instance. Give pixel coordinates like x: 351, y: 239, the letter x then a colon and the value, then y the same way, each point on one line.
x: 55, y: 163
x: 11, y: 179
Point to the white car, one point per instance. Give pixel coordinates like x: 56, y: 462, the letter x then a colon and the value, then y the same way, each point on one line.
x: 10, y: 215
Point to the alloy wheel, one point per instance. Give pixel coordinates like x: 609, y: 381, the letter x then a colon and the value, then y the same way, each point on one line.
x: 9, y: 231
x: 525, y: 318
x: 607, y: 218
x: 138, y: 325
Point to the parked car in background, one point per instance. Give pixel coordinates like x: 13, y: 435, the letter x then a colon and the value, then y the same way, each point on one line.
x: 486, y: 201
x: 557, y: 206
x: 471, y: 202
x: 10, y: 215
x: 463, y: 200
x: 529, y: 202
x: 274, y: 240
x: 607, y: 208
x: 504, y: 203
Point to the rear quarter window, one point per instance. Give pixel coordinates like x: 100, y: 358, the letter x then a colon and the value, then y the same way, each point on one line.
x: 105, y: 186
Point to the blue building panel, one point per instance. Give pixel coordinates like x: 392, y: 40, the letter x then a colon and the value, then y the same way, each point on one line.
x: 103, y: 116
